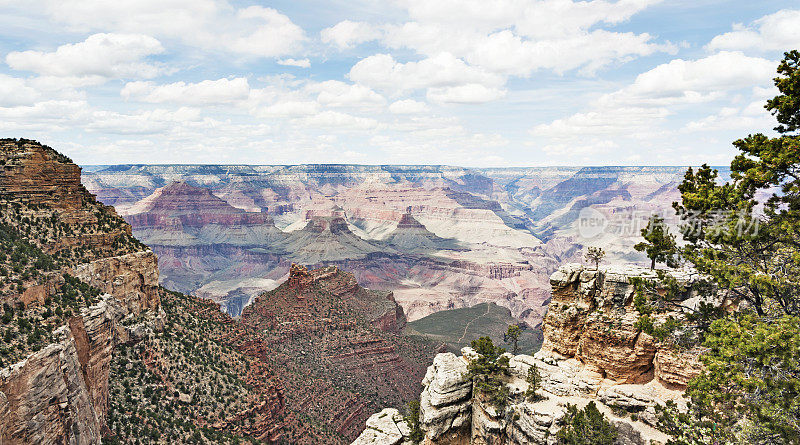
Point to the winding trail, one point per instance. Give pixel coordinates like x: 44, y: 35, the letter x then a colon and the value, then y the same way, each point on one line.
x: 471, y: 321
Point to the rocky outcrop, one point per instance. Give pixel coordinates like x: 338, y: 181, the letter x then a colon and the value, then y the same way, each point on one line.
x: 37, y: 174
x: 592, y: 353
x: 60, y: 393
x: 445, y: 403
x: 385, y: 428
x: 131, y: 278
x: 591, y: 318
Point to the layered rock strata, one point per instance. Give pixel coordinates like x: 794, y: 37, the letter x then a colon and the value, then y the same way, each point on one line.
x: 59, y: 392
x: 591, y: 352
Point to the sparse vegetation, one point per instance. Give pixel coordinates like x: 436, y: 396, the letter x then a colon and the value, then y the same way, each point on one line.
x: 659, y: 245
x: 587, y: 426
x: 594, y: 255
x: 488, y: 372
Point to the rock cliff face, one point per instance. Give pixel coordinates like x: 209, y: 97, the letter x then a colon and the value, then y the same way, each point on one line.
x: 591, y: 319
x: 321, y: 325
x: 591, y: 352
x: 59, y: 392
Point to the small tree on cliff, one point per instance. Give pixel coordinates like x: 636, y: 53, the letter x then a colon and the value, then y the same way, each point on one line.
x: 594, y: 255
x: 512, y: 336
x: 658, y: 243
x: 487, y: 369
x: 412, y: 418
x: 586, y: 427
x: 534, y: 380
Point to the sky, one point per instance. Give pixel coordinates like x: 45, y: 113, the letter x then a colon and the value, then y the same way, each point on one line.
x: 474, y: 83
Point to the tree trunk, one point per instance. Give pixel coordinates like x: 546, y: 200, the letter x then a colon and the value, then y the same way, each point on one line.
x: 652, y: 263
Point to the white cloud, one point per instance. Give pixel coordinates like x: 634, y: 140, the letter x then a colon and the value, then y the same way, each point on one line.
x: 693, y: 81
x: 206, y: 24
x: 274, y: 34
x: 347, y: 34
x: 507, y: 53
x: 300, y: 63
x: 775, y: 32
x: 536, y: 19
x: 157, y: 121
x: 517, y: 38
x: 471, y: 93
x: 408, y: 106
x: 100, y: 56
x: 207, y: 92
x: 336, y: 120
x: 607, y: 123
x: 382, y: 72
x: 15, y: 91
x: 292, y: 108
x: 334, y: 93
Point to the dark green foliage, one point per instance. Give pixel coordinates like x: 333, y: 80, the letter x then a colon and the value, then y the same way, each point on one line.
x: 786, y: 106
x: 487, y: 371
x: 594, y: 255
x: 665, y: 294
x: 750, y: 389
x: 534, y: 380
x: 412, y: 418
x: 659, y: 244
x: 512, y: 336
x: 753, y: 367
x: 586, y: 427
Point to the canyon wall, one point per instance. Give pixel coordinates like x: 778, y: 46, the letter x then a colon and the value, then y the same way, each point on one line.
x: 591, y: 352
x: 59, y: 393
x: 438, y: 237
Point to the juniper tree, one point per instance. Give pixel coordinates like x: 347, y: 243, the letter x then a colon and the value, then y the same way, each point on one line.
x: 658, y: 244
x: 512, y: 336
x: 594, y: 255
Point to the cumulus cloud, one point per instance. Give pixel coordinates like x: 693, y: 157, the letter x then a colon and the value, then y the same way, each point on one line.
x: 638, y: 111
x: 337, y: 120
x: 347, y: 34
x: 289, y: 108
x: 207, y: 92
x: 774, y: 32
x: 476, y: 45
x: 100, y: 56
x: 408, y: 106
x: 693, y: 81
x: 300, y: 63
x: 15, y: 91
x: 607, y: 122
x: 206, y: 24
x: 471, y: 93
x: 383, y: 72
x: 334, y: 93
x: 518, y: 38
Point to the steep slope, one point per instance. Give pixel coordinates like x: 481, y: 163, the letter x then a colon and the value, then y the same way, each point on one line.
x: 204, y: 241
x: 411, y: 236
x: 338, y: 348
x: 592, y: 352
x: 71, y: 273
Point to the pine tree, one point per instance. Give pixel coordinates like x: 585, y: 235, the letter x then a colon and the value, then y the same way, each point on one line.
x: 659, y: 244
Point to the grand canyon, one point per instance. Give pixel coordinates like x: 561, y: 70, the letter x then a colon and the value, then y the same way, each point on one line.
x: 406, y: 222
x: 438, y: 237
